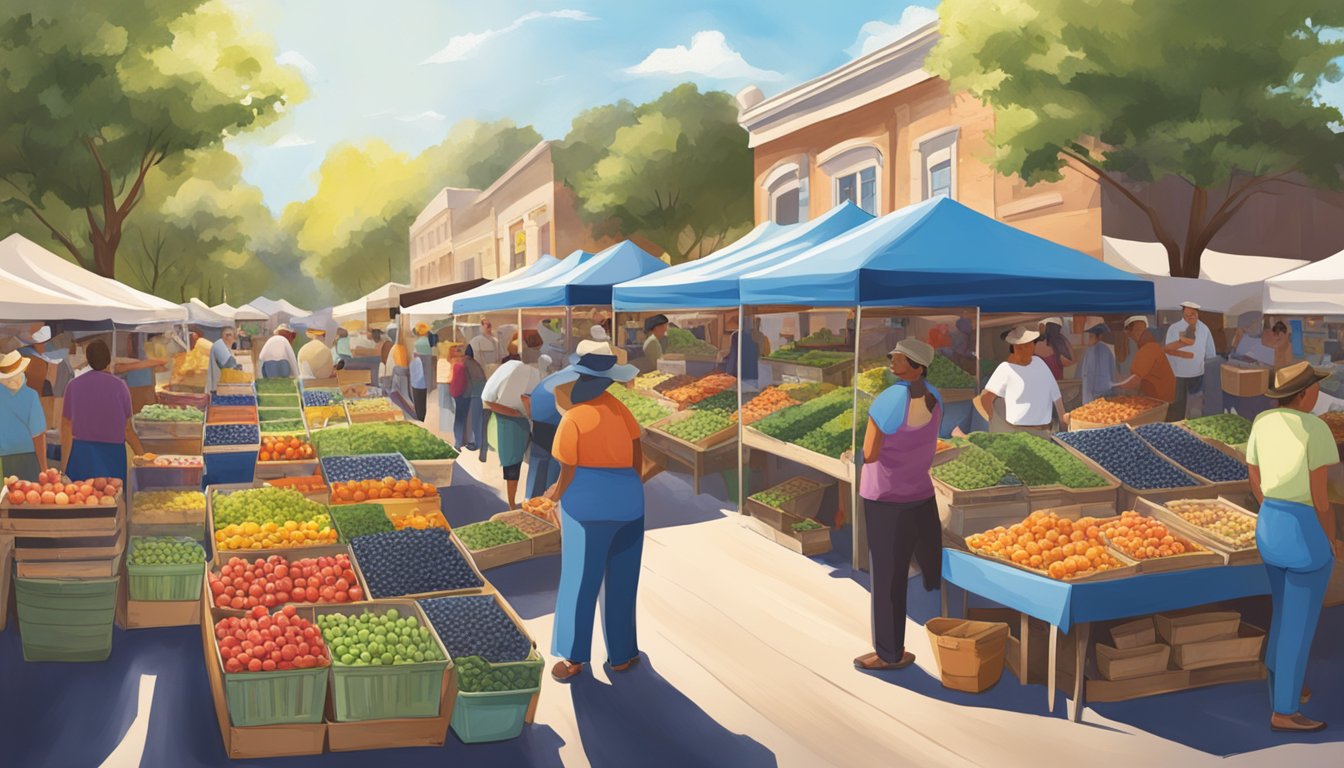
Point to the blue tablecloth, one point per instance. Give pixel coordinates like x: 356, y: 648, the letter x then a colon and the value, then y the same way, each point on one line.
x: 1064, y: 605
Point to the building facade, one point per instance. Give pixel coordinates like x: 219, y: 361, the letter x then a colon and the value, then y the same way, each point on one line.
x: 464, y: 234
x: 883, y: 133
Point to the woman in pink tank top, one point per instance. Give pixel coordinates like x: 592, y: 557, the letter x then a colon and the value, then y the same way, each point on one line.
x: 899, y: 507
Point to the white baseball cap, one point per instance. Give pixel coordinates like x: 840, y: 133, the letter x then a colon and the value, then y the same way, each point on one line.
x: 1022, y: 335
x: 42, y: 334
x: 1190, y: 305
x: 1136, y: 319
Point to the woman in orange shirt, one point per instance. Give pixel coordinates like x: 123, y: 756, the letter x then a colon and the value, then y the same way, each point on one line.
x: 601, y: 500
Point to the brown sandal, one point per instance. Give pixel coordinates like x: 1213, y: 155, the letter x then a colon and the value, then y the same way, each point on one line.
x: 626, y: 665
x: 564, y: 670
x: 1298, y: 723
x: 871, y: 662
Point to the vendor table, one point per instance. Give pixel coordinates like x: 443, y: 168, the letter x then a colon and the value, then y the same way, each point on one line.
x: 1063, y: 605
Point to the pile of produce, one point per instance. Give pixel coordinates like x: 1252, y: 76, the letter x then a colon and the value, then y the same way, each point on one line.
x: 315, y: 397
x: 479, y: 634
x: 1114, y: 410
x: 489, y: 533
x: 310, y: 484
x: 945, y: 374
x: 285, y: 449
x: 704, y: 388
x: 370, y: 405
x: 412, y: 441
x: 822, y: 338
x: 156, y: 412
x: 815, y: 358
x: 279, y: 401
x: 226, y: 401
x: 234, y: 376
x: 165, y: 550
x: 875, y: 380
x: 1193, y: 454
x: 259, y: 642
x: 417, y: 520
x: 833, y: 438
x: 284, y: 427
x: 355, y: 520
x: 231, y: 434
x: 771, y: 400
x: 787, y: 353
x: 973, y: 469
x: 526, y: 522
x: 277, y: 387
x: 1044, y: 542
x: 1037, y: 461
x: 1335, y: 421
x: 543, y: 508
x: 783, y: 493
x: 792, y: 424
x: 413, y: 562
x: 810, y: 391
x: 1226, y: 428
x: 651, y: 379
x: 1228, y: 525
x: 193, y: 362
x: 260, y: 518
x: 806, y: 525
x: 319, y: 416
x: 155, y: 460
x: 1124, y: 454
x: 167, y: 506
x: 231, y: 414
x: 373, y: 639
x: 355, y: 491
x: 699, y: 425
x: 724, y: 401
x: 244, y: 584
x: 682, y: 342
x: 53, y: 490
x: 645, y: 409
x: 278, y: 414
x: 343, y: 469
x: 1144, y: 538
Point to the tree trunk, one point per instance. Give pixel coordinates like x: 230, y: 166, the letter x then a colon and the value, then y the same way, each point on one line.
x: 1199, y: 204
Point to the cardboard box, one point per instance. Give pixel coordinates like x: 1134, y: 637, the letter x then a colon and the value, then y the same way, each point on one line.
x: 1134, y: 634
x: 1245, y: 381
x: 1129, y: 663
x: 1196, y: 626
x: 1244, y: 646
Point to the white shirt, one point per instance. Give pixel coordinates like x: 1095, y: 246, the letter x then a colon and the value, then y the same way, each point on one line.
x: 1202, y: 349
x: 278, y: 348
x: 486, y: 349
x: 507, y: 385
x: 1029, y: 392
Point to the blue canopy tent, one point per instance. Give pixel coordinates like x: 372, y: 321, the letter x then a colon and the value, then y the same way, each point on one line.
x: 445, y: 305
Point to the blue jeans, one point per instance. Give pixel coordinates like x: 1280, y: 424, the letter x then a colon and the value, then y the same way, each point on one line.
x: 542, y: 470
x: 276, y: 369
x: 462, y: 430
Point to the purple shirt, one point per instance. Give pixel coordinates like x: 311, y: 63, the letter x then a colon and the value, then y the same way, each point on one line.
x: 98, y: 405
x: 901, y: 472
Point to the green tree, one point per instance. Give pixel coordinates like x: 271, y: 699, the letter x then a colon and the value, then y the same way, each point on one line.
x: 676, y: 170
x: 1133, y: 91
x: 97, y: 95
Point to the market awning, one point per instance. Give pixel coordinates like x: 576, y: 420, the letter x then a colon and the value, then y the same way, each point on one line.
x: 1314, y: 289
x: 200, y: 313
x: 1242, y: 295
x: 581, y: 279
x: 443, y: 306
x: 273, y: 308
x: 411, y: 298
x: 712, y: 281
x: 939, y: 253
x: 249, y: 313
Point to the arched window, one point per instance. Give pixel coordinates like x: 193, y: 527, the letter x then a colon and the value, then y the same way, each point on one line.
x: 854, y: 168
x: 786, y: 190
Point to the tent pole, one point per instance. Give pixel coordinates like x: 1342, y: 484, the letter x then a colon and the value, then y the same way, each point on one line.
x: 859, y: 528
x: 741, y: 451
x: 569, y: 318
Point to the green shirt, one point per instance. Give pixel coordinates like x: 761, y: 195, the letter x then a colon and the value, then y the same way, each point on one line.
x: 653, y: 350
x: 1287, y: 446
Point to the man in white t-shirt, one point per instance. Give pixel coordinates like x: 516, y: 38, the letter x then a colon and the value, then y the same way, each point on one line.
x: 486, y: 347
x: 1189, y: 344
x: 1027, y: 387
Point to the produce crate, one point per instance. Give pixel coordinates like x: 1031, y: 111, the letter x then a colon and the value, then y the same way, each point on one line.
x: 231, y: 414
x: 1128, y: 496
x: 147, y: 429
x: 488, y: 716
x: 1181, y: 562
x: 806, y: 504
x: 292, y: 696
x: 485, y: 587
x: 966, y: 519
x: 68, y: 548
x: 193, y: 519
x: 334, y: 466
x: 352, y: 377
x: 323, y: 496
x: 62, y: 520
x: 841, y: 469
x: 839, y: 374
x: 504, y: 554
x: 237, y: 388
x: 149, y: 614
x: 147, y: 477
x: 1129, y: 663
x: 1133, y: 634
x: 1234, y: 488
x: 373, y: 417
x: 438, y: 472
x: 6, y: 572
x: 386, y: 692
x: 1231, y: 555
x: 181, y: 446
x: 970, y: 654
x: 96, y: 568
x: 694, y: 366
x: 290, y: 555
x: 1196, y: 626
x: 1245, y: 645
x: 219, y: 556
x: 66, y: 619
x: 164, y: 583
x: 394, y: 733
x: 806, y: 543
x: 179, y: 397
x: 547, y: 543
x: 1151, y: 416
x: 273, y: 470
x: 996, y: 494
x: 1100, y: 501
x: 657, y: 434
x: 1244, y: 381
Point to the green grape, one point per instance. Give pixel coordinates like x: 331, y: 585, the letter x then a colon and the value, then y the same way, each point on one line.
x: 487, y: 534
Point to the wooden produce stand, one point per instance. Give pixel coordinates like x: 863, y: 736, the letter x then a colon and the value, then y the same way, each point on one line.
x: 1155, y: 414
x: 546, y: 542
x: 169, y: 437
x: 776, y: 523
x: 1129, y: 495
x: 785, y: 371
x: 714, y: 453
x: 841, y: 469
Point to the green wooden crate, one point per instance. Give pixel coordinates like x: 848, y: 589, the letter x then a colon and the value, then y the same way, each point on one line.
x: 483, y: 717
x: 386, y: 692
x: 276, y: 698
x: 166, y: 582
x: 66, y: 619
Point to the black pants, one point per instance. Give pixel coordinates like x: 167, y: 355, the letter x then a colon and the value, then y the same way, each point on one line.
x: 421, y: 398
x: 897, y: 532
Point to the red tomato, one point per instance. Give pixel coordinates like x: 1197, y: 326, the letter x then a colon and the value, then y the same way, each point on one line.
x: 233, y: 666
x: 254, y: 665
x: 236, y: 603
x: 356, y: 593
x: 268, y: 666
x: 342, y: 597
x: 328, y: 594
x: 257, y: 613
x: 289, y: 610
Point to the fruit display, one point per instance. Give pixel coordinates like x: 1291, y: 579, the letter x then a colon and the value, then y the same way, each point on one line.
x: 767, y: 402
x: 489, y: 533
x: 310, y: 484
x: 699, y: 425
x: 53, y: 490
x: 651, y: 379
x: 806, y: 525
x: 783, y: 493
x: 370, y: 405
x: 279, y: 401
x: 478, y: 634
x: 822, y: 338
x: 1193, y: 454
x: 413, y: 562
x: 231, y: 414
x: 543, y: 508
x: 974, y: 468
x: 355, y: 520
x: 1037, y: 461
x: 412, y: 441
x: 476, y: 675
x: 315, y: 397
x: 343, y: 469
x: 277, y: 387
x: 319, y: 416
x: 526, y: 522
x: 1230, y: 526
x: 702, y: 389
x: 1144, y: 538
x: 377, y: 639
x: 355, y: 491
x: 156, y: 412
x: 167, y: 506
x: 218, y: 435
x: 245, y: 584
x: 945, y: 374
x: 724, y: 401
x: 821, y: 359
x: 1335, y: 421
x: 165, y: 550
x: 1114, y: 410
x: 279, y: 414
x: 809, y: 391
x: 260, y: 642
x: 645, y: 409
x: 834, y: 437
x: 285, y: 449
x: 264, y: 505
x: 234, y: 376
x: 284, y: 427
x: 1228, y: 428
x: 791, y: 424
x: 682, y: 342
x: 224, y: 401
x: 875, y: 380
x: 170, y: 460
x: 1126, y: 456
x: 1049, y: 544
x: 417, y: 520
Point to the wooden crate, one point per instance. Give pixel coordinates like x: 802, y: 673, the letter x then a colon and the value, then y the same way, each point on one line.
x: 374, y: 417
x: 273, y: 470
x: 1129, y: 663
x: 1151, y: 416
x: 1243, y: 381
x: 1101, y: 501
x: 808, y: 543
x: 98, y: 568
x: 806, y: 504
x: 394, y: 733
x: 1232, y: 488
x: 147, y: 614
x: 841, y: 469
x: 146, y: 429
x: 1133, y: 634
x: 437, y: 472
x: 1128, y: 496
x: 485, y: 589
x: 657, y: 434
x: 1231, y: 555
x: 1245, y: 646
x: 962, y: 520
x: 839, y: 374
x: 547, y: 543
x: 1181, y: 562
x: 63, y: 520
x: 504, y: 554
x: 218, y: 556
x: 1196, y: 625
x: 213, y: 568
x: 231, y: 414
x: 69, y: 548
x: 178, y: 446
x: 998, y: 494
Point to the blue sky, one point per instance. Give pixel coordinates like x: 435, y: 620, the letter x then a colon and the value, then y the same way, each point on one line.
x: 406, y: 70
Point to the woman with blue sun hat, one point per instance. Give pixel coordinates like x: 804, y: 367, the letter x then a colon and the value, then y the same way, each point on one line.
x: 601, y: 497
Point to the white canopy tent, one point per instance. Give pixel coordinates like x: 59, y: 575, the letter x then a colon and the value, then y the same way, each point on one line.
x: 1228, y: 282
x: 351, y: 310
x: 199, y: 313
x: 1314, y: 289
x: 383, y: 297
x: 276, y: 309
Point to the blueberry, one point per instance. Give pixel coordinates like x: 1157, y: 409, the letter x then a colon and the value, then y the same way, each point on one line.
x: 412, y: 562
x: 232, y: 434
x: 225, y: 400
x: 1192, y: 453
x: 476, y: 626
x: 342, y: 469
x: 314, y: 397
x: 1120, y: 452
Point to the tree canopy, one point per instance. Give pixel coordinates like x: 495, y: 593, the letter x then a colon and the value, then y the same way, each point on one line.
x: 1133, y: 91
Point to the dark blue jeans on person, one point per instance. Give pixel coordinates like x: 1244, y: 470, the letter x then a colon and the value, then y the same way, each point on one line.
x: 462, y: 423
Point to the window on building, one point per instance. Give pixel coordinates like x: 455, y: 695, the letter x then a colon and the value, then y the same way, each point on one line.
x: 935, y: 162
x: 940, y: 179
x: 859, y: 188
x: 786, y: 191
x: 854, y: 168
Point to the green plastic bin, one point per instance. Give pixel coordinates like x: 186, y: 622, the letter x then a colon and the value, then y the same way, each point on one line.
x: 276, y: 698
x: 66, y: 619
x: 166, y: 582
x: 383, y: 693
x: 483, y: 717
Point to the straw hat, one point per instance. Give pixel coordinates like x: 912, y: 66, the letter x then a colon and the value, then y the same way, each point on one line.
x: 422, y: 329
x: 12, y: 364
x: 1022, y: 335
x: 915, y: 351
x: 1291, y: 379
x: 316, y: 333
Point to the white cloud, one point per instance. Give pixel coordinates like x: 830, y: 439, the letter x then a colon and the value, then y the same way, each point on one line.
x: 291, y: 140
x: 876, y: 34
x: 708, y: 55
x: 428, y: 114
x: 296, y: 59
x: 464, y: 46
